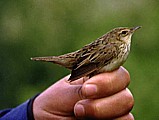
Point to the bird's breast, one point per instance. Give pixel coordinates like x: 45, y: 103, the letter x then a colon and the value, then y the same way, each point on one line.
x: 117, y: 61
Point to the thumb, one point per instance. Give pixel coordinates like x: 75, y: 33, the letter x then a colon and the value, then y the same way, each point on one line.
x: 64, y: 94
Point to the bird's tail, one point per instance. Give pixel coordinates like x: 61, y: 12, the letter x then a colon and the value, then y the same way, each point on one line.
x: 67, y: 60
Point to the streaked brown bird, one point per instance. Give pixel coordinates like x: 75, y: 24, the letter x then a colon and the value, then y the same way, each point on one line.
x: 106, y: 53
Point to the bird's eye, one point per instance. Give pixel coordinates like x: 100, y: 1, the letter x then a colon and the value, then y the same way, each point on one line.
x: 124, y: 32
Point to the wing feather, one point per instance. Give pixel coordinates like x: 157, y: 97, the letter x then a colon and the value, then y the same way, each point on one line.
x: 93, y: 59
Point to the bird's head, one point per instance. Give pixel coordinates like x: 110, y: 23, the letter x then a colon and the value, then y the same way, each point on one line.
x: 124, y: 33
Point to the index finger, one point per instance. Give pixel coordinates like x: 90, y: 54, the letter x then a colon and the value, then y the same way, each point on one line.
x: 106, y: 84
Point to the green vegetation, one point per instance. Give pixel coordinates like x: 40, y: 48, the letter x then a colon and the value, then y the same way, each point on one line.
x: 31, y: 28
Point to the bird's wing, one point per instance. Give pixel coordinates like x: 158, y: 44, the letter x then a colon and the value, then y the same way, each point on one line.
x: 92, y: 59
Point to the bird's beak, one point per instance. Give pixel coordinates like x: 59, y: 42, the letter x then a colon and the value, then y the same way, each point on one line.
x: 134, y: 29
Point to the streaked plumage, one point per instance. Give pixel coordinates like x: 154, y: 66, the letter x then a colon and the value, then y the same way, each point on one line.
x: 107, y: 53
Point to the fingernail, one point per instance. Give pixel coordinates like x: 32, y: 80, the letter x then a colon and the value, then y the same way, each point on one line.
x: 90, y: 90
x: 79, y: 110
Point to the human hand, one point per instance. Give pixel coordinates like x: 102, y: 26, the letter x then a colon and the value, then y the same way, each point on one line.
x: 104, y: 96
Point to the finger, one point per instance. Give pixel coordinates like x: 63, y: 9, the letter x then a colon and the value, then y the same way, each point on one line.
x: 105, y: 108
x: 126, y: 117
x: 106, y: 84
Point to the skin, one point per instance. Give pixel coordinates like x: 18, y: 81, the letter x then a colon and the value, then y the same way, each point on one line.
x: 104, y: 96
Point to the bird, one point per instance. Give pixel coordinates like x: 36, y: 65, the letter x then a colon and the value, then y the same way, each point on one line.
x: 105, y: 54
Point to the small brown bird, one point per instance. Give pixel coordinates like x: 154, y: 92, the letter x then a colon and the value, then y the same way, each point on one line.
x: 107, y: 53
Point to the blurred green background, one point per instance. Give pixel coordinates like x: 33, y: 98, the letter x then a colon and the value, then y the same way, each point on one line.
x: 53, y: 27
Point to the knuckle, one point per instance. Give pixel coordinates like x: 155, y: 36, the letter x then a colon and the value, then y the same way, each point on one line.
x: 130, y: 100
x: 79, y: 92
x: 96, y: 111
x: 125, y: 76
x: 131, y: 117
x: 126, y: 117
x: 93, y: 109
